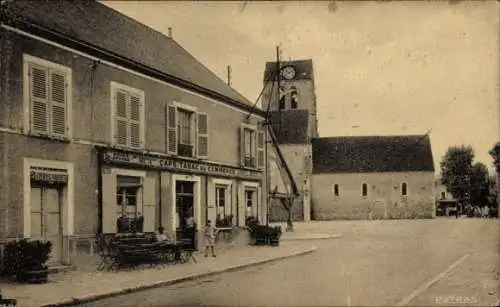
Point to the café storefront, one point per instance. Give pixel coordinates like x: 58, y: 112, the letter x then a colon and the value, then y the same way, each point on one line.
x: 165, y: 190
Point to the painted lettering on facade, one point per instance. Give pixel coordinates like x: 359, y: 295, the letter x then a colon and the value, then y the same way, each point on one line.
x: 174, y: 164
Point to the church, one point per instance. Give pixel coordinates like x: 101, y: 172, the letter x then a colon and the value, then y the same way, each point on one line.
x: 342, y: 177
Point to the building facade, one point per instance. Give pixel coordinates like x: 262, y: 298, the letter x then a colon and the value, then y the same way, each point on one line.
x: 93, y: 128
x: 343, y: 177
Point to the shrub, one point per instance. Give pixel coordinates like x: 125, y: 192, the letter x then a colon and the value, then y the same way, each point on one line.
x: 24, y: 255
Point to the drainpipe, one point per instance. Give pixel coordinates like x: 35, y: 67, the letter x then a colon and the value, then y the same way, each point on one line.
x: 99, y: 191
x: 160, y: 201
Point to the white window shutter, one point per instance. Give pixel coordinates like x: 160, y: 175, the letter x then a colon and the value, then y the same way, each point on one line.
x: 202, y: 144
x: 171, y: 119
x: 260, y: 149
x: 58, y: 103
x: 121, y: 128
x: 135, y: 107
x: 39, y: 98
x: 109, y: 204
x: 242, y: 145
x: 149, y: 202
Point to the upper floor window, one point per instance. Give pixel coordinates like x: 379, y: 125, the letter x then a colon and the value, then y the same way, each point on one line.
x: 336, y: 190
x: 127, y: 116
x: 252, y: 146
x: 47, y: 98
x: 364, y: 189
x: 404, y: 189
x: 187, y: 131
x: 443, y: 195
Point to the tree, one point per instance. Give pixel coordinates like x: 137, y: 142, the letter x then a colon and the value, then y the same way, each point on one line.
x: 495, y: 154
x: 456, y: 170
x: 479, y: 184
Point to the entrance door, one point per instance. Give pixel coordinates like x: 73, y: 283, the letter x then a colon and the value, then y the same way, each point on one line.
x: 184, y: 191
x: 46, y: 222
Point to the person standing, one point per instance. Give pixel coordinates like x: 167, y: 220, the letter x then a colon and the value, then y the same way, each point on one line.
x: 210, y: 232
x: 190, y: 230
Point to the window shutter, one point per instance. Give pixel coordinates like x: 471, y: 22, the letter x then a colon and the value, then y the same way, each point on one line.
x: 260, y: 149
x: 135, y: 121
x: 202, y: 145
x: 171, y: 119
x: 58, y: 102
x: 121, y: 131
x: 242, y: 145
x: 39, y: 100
x: 149, y: 201
x: 108, y: 190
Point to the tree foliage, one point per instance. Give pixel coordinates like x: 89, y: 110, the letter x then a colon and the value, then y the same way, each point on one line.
x: 495, y: 154
x: 456, y: 170
x: 479, y: 184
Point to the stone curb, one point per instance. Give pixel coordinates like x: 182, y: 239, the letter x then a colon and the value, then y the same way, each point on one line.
x: 98, y: 296
x: 326, y: 237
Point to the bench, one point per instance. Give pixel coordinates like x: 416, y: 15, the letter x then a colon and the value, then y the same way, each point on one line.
x: 120, y: 251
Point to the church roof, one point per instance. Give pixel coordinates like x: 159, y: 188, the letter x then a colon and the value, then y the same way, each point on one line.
x: 372, y: 154
x: 303, y: 69
x: 92, y: 25
x: 290, y: 126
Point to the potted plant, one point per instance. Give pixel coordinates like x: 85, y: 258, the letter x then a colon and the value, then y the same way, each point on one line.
x: 274, y: 236
x: 139, y: 224
x: 26, y: 260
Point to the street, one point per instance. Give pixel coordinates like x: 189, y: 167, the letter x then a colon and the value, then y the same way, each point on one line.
x: 442, y: 262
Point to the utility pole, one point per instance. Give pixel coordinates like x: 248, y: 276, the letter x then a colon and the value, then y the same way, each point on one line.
x: 267, y: 123
x: 229, y: 75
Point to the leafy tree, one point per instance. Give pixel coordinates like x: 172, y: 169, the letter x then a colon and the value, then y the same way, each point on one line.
x: 479, y: 184
x: 456, y: 170
x: 495, y: 154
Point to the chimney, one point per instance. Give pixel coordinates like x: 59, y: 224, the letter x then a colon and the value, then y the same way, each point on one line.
x: 170, y: 32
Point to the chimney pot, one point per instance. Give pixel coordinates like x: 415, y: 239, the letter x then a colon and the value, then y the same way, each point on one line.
x: 170, y: 32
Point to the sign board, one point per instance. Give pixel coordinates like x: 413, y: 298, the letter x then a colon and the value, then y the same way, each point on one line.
x: 48, y: 175
x: 111, y: 156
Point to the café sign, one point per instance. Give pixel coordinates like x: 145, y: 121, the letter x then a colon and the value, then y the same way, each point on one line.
x: 175, y: 164
x: 48, y: 175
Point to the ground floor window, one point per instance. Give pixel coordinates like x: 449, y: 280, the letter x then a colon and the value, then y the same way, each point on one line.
x: 250, y: 205
x: 220, y: 200
x: 127, y: 191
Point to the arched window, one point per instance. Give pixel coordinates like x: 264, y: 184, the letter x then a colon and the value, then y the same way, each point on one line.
x: 364, y: 189
x: 282, y: 98
x: 294, y: 98
x: 404, y: 189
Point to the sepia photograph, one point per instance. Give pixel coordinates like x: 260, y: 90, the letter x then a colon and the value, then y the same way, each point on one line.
x: 249, y: 153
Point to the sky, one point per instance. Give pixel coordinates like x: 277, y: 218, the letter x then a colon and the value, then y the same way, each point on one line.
x: 396, y: 67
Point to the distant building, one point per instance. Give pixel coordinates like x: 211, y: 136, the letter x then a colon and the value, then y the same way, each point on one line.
x: 343, y: 177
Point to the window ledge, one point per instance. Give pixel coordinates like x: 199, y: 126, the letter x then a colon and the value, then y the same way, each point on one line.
x: 61, y: 139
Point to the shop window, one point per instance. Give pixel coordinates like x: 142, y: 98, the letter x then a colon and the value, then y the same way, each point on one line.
x: 127, y: 195
x: 220, y: 199
x: 249, y: 202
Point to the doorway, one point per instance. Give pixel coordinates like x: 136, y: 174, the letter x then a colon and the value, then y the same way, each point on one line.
x: 46, y: 220
x: 184, y: 204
